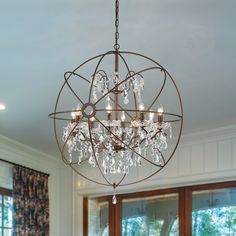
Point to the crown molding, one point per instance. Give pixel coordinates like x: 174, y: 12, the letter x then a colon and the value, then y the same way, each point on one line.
x: 24, y: 150
x: 209, y: 135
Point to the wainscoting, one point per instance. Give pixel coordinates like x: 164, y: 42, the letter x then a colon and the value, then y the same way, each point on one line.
x: 204, y: 157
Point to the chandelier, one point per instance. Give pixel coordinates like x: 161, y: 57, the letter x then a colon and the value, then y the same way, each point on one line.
x: 113, y: 131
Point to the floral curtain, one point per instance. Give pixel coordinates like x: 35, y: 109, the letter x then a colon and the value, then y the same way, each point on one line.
x: 31, y: 203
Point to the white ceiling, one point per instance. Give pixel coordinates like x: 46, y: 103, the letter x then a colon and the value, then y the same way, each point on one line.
x: 40, y: 40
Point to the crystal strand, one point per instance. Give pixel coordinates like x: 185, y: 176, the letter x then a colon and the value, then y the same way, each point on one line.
x: 156, y: 157
x: 170, y: 131
x: 94, y: 96
x: 126, y: 100
x: 80, y: 157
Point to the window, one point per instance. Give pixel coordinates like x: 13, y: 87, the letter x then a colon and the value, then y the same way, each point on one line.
x: 154, y: 215
x: 199, y: 210
x: 98, y: 218
x: 214, y: 212
x: 6, y: 217
x: 149, y: 213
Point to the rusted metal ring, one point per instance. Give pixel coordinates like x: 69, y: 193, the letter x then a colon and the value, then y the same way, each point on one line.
x: 86, y: 113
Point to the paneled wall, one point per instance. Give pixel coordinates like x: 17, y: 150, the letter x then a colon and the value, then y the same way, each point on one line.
x: 203, y: 157
x: 60, y: 182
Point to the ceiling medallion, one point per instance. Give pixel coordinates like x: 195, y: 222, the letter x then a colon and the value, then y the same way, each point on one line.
x: 113, y: 133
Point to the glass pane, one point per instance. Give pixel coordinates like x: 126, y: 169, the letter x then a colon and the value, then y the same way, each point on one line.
x: 7, y: 221
x: 174, y: 231
x: 8, y: 232
x: 150, y: 216
x: 98, y: 218
x: 214, y: 212
x: 0, y: 214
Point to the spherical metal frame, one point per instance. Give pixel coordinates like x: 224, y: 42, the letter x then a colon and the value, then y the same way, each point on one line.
x: 57, y: 115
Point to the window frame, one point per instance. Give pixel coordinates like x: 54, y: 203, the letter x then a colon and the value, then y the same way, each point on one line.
x: 185, y: 205
x: 8, y: 193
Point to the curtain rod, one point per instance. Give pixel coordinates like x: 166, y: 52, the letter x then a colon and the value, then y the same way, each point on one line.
x: 15, y: 164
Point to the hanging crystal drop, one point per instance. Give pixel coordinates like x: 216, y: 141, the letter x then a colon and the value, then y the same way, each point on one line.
x: 141, y: 83
x: 157, y: 158
x: 80, y: 157
x: 105, y: 170
x: 126, y: 100
x: 79, y: 160
x: 95, y: 96
x: 131, y: 163
x: 170, y: 131
x: 126, y: 170
x: 145, y: 152
x: 70, y: 158
x: 118, y: 170
x: 138, y: 159
x: 114, y: 199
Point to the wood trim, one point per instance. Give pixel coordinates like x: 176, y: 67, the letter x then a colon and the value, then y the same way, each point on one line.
x: 6, y: 192
x: 187, y: 211
x: 102, y: 199
x: 85, y: 216
x: 185, y: 206
x: 112, y: 217
x: 181, y: 201
x: 118, y: 217
x: 149, y: 193
x: 229, y: 184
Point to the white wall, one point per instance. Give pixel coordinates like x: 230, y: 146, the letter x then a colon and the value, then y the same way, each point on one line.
x: 60, y: 181
x: 202, y: 157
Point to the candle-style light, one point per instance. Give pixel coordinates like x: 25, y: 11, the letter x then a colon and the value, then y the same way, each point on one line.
x: 141, y: 109
x: 151, y: 115
x: 109, y: 110
x: 123, y: 117
x: 160, y: 112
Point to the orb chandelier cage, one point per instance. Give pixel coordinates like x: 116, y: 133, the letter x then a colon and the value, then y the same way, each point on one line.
x: 115, y: 130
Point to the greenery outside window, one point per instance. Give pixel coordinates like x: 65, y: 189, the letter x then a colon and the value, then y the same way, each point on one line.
x: 214, y: 212
x: 98, y: 218
x: 156, y: 215
x: 6, y: 213
x: 199, y: 210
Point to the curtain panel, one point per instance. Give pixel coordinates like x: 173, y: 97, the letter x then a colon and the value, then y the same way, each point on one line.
x: 31, y: 203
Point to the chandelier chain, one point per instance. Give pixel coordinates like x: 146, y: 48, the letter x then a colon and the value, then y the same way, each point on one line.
x: 117, y: 46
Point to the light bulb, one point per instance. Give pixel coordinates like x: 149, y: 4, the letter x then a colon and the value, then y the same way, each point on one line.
x: 2, y: 107
x: 151, y: 115
x: 123, y: 116
x: 78, y: 111
x: 141, y: 107
x: 73, y: 115
x: 160, y: 110
x: 109, y: 107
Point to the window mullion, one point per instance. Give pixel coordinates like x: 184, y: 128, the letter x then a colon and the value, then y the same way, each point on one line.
x: 188, y: 211
x: 111, y: 218
x: 118, y: 217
